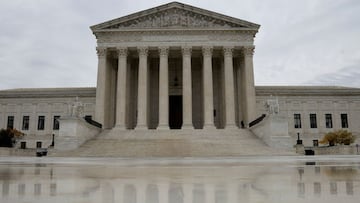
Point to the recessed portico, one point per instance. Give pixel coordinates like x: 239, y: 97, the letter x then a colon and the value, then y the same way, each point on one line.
x: 141, y: 87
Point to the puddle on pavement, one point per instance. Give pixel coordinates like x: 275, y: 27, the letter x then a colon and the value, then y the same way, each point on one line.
x: 290, y: 181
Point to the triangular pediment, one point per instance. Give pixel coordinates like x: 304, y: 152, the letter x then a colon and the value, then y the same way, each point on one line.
x: 174, y: 15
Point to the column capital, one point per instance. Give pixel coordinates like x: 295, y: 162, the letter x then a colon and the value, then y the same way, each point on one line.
x: 248, y: 50
x: 122, y: 51
x: 101, y: 51
x: 207, y: 50
x: 228, y: 51
x: 143, y: 51
x: 164, y: 51
x: 186, y: 50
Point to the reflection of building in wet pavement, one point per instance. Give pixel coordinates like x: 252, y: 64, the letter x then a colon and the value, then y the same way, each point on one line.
x: 327, y: 181
x: 175, y: 184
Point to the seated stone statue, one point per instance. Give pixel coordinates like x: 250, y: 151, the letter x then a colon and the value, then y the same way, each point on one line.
x: 272, y: 105
x: 76, y: 109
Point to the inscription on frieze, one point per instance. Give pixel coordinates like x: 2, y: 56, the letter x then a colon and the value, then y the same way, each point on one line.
x: 175, y: 17
x: 174, y: 36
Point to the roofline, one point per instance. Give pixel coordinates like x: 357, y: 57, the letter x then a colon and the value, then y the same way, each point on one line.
x: 48, y: 92
x: 306, y: 91
x: 260, y: 91
x: 142, y: 13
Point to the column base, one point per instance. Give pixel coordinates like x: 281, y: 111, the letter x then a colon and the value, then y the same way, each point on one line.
x: 120, y: 127
x: 187, y: 127
x: 163, y: 127
x: 141, y: 127
x: 231, y: 127
x: 209, y: 127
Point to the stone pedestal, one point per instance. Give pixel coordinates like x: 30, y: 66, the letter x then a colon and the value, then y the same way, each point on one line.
x: 300, y: 149
x: 73, y: 133
x: 273, y: 130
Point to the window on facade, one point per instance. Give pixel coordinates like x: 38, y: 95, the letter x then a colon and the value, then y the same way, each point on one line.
x: 344, y: 120
x: 37, y: 189
x: 317, y: 188
x: 25, y: 124
x: 56, y: 124
x: 41, y: 123
x: 333, y: 188
x: 297, y: 120
x: 313, y: 123
x: 328, y: 121
x: 10, y: 122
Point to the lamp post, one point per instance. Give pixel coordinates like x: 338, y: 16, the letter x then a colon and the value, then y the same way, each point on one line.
x: 53, y: 140
x: 298, y: 141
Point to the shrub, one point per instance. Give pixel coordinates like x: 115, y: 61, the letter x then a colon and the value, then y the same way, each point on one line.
x: 9, y: 136
x: 345, y: 137
x: 338, y: 137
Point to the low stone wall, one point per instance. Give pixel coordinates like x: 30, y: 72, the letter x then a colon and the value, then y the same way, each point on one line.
x: 31, y: 141
x: 338, y: 150
x: 17, y: 152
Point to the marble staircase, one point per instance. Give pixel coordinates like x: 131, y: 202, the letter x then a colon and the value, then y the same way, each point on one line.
x: 173, y: 143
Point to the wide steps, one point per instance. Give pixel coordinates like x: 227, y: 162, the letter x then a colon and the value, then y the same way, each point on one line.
x: 172, y: 143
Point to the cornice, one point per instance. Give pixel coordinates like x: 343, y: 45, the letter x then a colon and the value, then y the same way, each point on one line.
x: 48, y: 93
x: 178, y: 31
x: 306, y: 91
x: 260, y: 91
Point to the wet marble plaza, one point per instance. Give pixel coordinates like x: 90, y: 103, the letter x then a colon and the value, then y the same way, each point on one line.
x: 189, y: 180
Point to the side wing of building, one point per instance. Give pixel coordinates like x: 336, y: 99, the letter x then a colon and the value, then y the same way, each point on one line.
x: 35, y: 111
x: 313, y: 111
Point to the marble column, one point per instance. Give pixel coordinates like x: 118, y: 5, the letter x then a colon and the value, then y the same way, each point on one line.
x: 101, y: 85
x: 208, y: 88
x: 187, y: 89
x: 121, y: 88
x: 118, y: 192
x: 140, y: 192
x: 229, y: 88
x: 188, y: 192
x: 163, y: 192
x: 232, y: 192
x: 142, y: 108
x: 209, y: 193
x: 164, y: 88
x: 249, y: 86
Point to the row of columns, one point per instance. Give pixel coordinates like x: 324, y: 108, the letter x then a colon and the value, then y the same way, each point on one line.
x: 208, y: 103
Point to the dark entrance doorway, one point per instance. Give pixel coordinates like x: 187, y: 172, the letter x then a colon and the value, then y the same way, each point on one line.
x: 175, y: 111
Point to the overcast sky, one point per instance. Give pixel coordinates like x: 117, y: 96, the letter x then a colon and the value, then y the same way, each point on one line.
x: 48, y: 43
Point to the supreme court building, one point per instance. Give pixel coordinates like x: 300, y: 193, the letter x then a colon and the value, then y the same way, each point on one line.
x: 177, y: 68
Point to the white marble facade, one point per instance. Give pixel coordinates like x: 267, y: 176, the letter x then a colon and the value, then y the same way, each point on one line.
x: 48, y: 103
x: 175, y: 66
x: 292, y: 100
x: 316, y: 101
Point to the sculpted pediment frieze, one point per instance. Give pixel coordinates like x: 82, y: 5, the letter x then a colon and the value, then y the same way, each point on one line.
x: 175, y: 18
x: 174, y: 15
